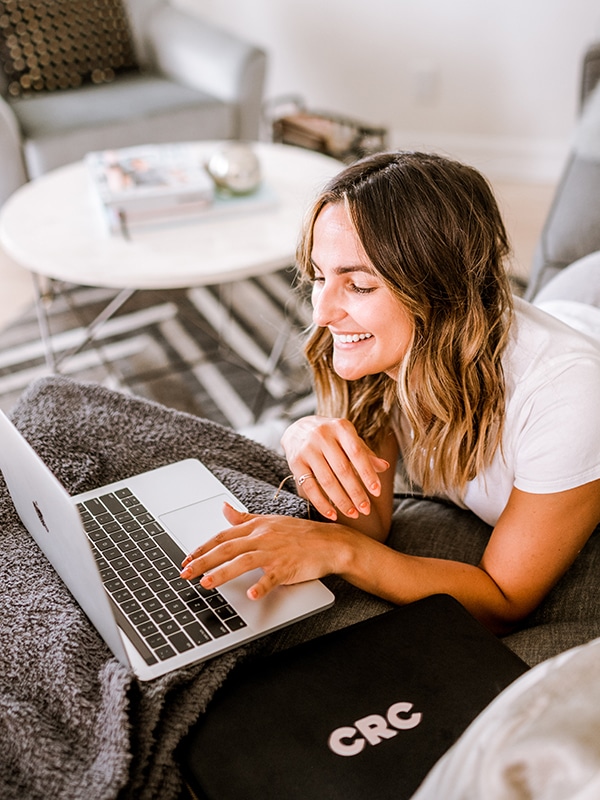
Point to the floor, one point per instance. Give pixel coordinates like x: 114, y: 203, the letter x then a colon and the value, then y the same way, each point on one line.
x: 524, y: 207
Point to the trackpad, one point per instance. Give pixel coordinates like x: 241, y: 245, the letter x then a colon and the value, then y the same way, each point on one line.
x: 195, y: 524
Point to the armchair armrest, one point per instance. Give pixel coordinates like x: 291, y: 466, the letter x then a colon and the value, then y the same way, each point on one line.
x: 590, y: 73
x: 204, y: 57
x: 12, y: 173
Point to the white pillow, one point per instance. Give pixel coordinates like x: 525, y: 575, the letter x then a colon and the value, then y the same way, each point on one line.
x: 538, y: 740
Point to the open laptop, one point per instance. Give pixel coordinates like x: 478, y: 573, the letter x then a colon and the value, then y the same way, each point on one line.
x: 119, y: 550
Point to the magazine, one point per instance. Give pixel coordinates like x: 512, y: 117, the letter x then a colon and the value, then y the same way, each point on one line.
x: 152, y: 182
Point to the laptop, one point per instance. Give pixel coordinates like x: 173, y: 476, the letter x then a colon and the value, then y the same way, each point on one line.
x: 119, y: 550
x: 364, y: 712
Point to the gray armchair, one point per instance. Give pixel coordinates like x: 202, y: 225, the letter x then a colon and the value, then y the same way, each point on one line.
x: 572, y: 227
x: 195, y: 82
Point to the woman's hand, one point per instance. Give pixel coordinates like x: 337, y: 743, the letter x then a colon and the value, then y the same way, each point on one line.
x: 333, y: 467
x: 288, y: 550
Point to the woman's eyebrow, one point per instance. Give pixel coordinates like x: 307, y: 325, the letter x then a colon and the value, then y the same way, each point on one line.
x: 344, y: 270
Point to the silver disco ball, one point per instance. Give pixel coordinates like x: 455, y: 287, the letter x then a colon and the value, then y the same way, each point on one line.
x: 235, y: 168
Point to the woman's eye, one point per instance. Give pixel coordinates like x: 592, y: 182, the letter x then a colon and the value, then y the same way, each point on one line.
x: 362, y: 289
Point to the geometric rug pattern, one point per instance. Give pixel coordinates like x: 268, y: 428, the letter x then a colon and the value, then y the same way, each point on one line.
x: 231, y: 353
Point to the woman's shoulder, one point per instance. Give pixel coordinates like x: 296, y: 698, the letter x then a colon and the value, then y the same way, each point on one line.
x: 543, y: 341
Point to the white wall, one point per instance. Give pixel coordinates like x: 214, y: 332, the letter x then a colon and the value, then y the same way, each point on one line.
x: 492, y: 81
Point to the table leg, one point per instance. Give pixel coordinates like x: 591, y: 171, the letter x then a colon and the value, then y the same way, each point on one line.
x: 115, y: 304
x: 41, y: 297
x: 43, y: 324
x: 272, y: 364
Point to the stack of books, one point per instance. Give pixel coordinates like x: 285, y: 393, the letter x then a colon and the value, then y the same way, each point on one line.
x: 140, y: 185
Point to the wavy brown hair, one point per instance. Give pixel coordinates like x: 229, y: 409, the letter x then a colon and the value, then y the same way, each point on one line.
x: 432, y: 230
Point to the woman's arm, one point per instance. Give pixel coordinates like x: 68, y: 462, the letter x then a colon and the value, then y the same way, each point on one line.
x: 535, y: 541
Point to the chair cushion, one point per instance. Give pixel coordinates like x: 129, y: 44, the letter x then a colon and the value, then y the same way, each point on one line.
x: 63, y: 44
x: 571, y: 230
x: 59, y: 127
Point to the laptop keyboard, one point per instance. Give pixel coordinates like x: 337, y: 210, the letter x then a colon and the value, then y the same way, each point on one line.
x: 139, y: 562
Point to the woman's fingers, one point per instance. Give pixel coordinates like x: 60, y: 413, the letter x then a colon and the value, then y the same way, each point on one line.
x: 233, y: 516
x: 336, y: 470
x: 288, y: 550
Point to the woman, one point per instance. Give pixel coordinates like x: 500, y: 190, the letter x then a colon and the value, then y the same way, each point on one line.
x: 421, y: 356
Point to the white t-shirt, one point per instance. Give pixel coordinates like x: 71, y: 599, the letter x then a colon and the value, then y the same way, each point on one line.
x: 551, y: 437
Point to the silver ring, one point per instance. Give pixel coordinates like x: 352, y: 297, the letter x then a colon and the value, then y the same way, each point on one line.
x: 303, y: 478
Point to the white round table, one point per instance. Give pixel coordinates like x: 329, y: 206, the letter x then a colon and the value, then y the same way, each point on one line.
x: 54, y: 226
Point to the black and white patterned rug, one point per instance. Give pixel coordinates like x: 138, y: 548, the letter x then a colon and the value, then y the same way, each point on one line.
x: 210, y: 351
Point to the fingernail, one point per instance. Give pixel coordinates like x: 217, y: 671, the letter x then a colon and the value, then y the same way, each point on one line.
x: 186, y: 573
x: 331, y: 515
x: 365, y: 507
x: 352, y: 512
x: 207, y: 581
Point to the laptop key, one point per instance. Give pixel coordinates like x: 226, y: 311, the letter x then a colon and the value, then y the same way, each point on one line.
x: 169, y: 627
x: 165, y: 652
x: 128, y: 502
x: 235, y: 623
x: 154, y: 527
x: 156, y: 640
x: 113, y: 504
x: 225, y: 613
x: 90, y: 526
x: 180, y: 642
x: 170, y: 547
x: 136, y: 508
x: 197, y: 633
x: 212, y: 623
x: 96, y: 535
x: 94, y: 506
x: 143, y: 594
x: 104, y: 544
x: 160, y: 615
x: 176, y: 606
x: 147, y: 628
x: 131, y: 526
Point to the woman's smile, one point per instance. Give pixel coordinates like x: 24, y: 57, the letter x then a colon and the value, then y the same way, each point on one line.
x: 350, y: 338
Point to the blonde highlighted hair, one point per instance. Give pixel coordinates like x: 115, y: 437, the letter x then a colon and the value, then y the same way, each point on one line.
x: 432, y: 230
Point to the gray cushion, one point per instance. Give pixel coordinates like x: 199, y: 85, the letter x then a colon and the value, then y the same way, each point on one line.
x: 572, y: 228
x: 63, y: 126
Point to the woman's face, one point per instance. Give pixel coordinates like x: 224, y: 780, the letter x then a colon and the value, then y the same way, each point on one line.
x: 371, y: 329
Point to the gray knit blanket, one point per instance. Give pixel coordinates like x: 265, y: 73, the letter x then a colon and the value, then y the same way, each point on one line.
x: 74, y: 722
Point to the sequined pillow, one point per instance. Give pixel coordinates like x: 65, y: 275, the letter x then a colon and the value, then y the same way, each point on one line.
x: 61, y: 44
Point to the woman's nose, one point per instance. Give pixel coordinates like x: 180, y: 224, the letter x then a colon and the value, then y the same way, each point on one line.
x: 325, y: 307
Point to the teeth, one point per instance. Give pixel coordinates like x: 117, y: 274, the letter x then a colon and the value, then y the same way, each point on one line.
x: 354, y: 337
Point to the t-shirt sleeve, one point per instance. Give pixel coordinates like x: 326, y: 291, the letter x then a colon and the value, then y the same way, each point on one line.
x: 557, y: 444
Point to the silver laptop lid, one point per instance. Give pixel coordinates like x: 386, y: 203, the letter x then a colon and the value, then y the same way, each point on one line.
x: 46, y: 510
